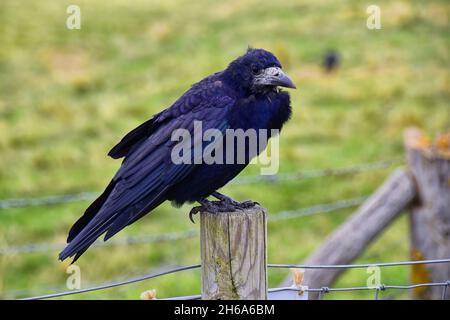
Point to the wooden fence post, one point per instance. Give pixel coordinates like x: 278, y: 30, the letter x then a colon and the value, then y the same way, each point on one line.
x: 430, y: 216
x: 234, y: 254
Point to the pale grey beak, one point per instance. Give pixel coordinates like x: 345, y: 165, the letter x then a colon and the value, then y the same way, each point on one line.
x: 274, y: 76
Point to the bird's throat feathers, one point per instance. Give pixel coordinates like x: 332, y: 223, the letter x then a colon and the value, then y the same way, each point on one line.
x: 262, y: 111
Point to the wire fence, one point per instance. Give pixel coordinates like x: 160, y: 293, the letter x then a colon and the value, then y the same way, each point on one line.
x: 359, y: 266
x: 382, y: 287
x: 116, y: 284
x: 308, y: 174
x: 290, y: 176
x: 191, y: 233
x: 283, y: 215
x: 124, y: 241
x: 174, y: 236
x: 324, y: 290
x: 45, y: 201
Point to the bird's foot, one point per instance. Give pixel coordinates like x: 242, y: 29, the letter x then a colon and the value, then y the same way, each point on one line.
x: 225, y: 204
x: 231, y: 204
x: 205, y: 205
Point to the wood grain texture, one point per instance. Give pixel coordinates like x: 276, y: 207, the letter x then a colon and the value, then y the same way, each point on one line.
x: 234, y: 254
x: 349, y: 240
x: 430, y: 215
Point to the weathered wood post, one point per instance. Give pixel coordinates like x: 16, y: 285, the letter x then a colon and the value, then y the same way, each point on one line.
x: 430, y: 216
x: 234, y: 254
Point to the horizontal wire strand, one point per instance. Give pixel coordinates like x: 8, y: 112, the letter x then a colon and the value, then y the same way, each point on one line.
x: 115, y: 284
x: 324, y: 289
x: 173, y: 236
x: 289, y: 176
x: 353, y: 266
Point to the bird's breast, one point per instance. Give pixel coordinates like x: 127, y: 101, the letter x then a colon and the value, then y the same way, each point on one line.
x: 268, y: 111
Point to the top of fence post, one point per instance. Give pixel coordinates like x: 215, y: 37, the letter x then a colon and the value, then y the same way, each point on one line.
x: 234, y: 254
x: 429, y: 162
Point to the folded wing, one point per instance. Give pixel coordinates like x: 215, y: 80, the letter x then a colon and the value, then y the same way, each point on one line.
x: 147, y: 172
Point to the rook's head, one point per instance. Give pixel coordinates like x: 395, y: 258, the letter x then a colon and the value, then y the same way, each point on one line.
x: 258, y: 71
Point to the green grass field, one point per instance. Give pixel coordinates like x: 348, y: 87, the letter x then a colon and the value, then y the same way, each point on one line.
x: 67, y: 96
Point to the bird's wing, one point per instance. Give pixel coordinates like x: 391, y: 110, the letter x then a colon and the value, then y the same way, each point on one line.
x: 150, y: 166
x: 195, y: 100
x: 134, y: 138
x: 148, y: 171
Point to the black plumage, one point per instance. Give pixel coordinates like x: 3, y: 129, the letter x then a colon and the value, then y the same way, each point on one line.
x: 244, y: 95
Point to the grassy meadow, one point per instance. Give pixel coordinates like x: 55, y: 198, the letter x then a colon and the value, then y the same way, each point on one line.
x: 67, y: 96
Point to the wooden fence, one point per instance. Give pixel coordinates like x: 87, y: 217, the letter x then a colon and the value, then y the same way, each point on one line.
x: 233, y: 245
x: 234, y: 251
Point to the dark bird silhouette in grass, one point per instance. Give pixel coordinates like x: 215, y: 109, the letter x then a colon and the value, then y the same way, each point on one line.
x: 331, y: 61
x: 246, y: 95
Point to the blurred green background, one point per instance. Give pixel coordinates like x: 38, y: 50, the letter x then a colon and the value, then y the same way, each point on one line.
x: 67, y: 96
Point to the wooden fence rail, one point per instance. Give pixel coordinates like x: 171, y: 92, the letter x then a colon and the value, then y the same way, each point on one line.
x: 348, y: 241
x: 424, y: 187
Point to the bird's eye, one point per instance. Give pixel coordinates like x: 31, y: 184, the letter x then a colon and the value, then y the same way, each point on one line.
x: 255, y: 69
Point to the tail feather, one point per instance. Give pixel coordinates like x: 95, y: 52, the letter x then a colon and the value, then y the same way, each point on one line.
x: 86, y: 238
x: 90, y: 212
x: 109, y: 222
x: 133, y: 214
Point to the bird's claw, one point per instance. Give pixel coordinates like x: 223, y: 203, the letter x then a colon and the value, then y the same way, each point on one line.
x: 233, y: 204
x: 193, y: 212
x: 225, y: 205
x: 248, y: 204
x: 207, y: 206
